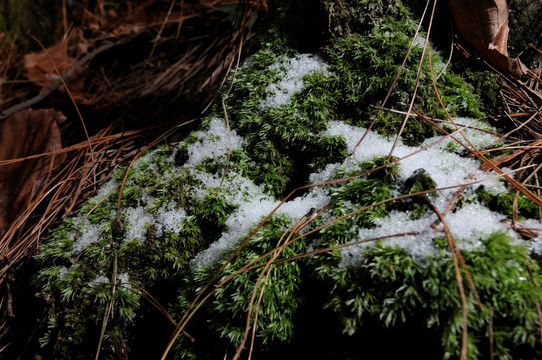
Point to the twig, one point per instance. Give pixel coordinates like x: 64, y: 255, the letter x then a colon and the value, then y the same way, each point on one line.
x: 69, y: 73
x: 399, y: 71
x: 417, y: 84
x: 455, y: 251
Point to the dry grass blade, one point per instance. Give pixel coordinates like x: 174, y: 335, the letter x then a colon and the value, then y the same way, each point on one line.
x: 399, y: 71
x: 417, y: 82
x: 264, y: 274
x: 455, y: 252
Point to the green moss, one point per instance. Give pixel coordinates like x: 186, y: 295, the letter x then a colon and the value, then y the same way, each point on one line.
x: 357, y: 193
x: 78, y: 261
x: 504, y: 203
x: 346, y: 17
x: 283, y: 141
x: 280, y: 291
x: 389, y: 287
x: 387, y: 290
x: 366, y: 65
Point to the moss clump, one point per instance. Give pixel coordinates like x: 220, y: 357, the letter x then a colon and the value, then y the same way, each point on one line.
x: 347, y: 17
x: 357, y: 193
x: 416, y: 205
x: 366, y: 65
x: 284, y: 142
x: 391, y: 289
x: 504, y: 203
x: 79, y: 262
x: 279, y: 289
x: 179, y: 199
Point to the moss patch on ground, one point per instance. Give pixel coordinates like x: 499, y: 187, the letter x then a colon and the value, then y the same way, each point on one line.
x: 294, y: 120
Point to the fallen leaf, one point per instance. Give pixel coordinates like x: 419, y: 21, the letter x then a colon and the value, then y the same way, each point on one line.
x: 40, y: 67
x: 484, y: 25
x: 26, y: 133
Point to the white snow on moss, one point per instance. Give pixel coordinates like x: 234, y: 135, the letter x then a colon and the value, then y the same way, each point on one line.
x: 106, y: 190
x: 477, y: 132
x: 169, y: 220
x: 238, y: 189
x: 251, y: 201
x: 467, y: 225
x: 100, y: 280
x: 535, y: 244
x: 123, y: 279
x: 62, y: 272
x: 397, y: 222
x: 250, y: 213
x: 445, y: 168
x: 444, y: 162
x: 292, y: 82
x: 213, y: 142
x: 137, y: 221
x: 89, y: 234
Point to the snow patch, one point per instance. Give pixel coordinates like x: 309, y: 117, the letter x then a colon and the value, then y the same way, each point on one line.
x: 90, y: 233
x: 292, y: 82
x: 445, y: 168
x: 137, y: 221
x: 169, y: 220
x: 100, y: 280
x: 467, y: 225
x: 213, y: 142
x: 249, y: 214
x: 123, y: 279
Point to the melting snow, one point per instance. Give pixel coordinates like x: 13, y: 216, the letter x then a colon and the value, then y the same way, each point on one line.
x: 466, y: 225
x: 446, y: 168
x: 251, y: 213
x: 169, y: 220
x: 100, y: 280
x: 137, y: 221
x: 212, y: 142
x: 123, y: 279
x: 89, y: 234
x: 292, y: 82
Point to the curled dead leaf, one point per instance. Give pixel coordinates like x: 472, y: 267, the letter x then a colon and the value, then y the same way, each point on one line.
x: 484, y: 25
x: 23, y: 134
x: 40, y: 67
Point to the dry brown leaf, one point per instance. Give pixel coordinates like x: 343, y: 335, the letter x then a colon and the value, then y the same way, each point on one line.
x: 484, y: 24
x: 39, y: 68
x: 26, y: 133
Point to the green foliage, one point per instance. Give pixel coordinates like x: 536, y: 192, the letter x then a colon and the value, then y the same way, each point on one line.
x: 365, y: 65
x: 78, y: 261
x: 392, y: 288
x: 346, y: 17
x: 504, y: 203
x: 282, y: 141
x: 416, y: 205
x: 225, y: 313
x: 485, y: 83
x: 359, y: 192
